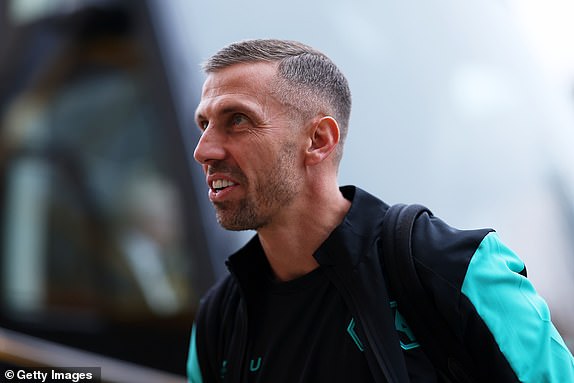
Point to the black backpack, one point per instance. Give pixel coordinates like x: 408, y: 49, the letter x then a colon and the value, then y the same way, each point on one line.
x: 445, y: 351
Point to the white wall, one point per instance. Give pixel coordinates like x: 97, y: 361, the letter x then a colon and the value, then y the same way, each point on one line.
x: 452, y: 108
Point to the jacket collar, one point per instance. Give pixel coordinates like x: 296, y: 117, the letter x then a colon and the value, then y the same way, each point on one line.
x: 355, y: 236
x: 347, y: 243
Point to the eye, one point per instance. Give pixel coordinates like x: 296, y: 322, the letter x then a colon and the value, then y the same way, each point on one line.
x: 238, y: 119
x: 203, y: 124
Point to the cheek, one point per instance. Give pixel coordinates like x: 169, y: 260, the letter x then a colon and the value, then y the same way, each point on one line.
x: 259, y: 153
x: 263, y: 154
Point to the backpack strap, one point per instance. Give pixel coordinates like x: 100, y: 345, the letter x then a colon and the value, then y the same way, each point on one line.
x: 439, y: 343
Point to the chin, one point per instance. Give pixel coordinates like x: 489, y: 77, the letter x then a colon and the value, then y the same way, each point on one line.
x: 240, y: 222
x: 233, y: 223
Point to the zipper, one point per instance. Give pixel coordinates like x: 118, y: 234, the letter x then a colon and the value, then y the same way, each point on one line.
x: 237, y: 369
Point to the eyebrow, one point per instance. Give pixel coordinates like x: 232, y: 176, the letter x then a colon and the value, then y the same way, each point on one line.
x: 234, y: 107
x: 225, y: 111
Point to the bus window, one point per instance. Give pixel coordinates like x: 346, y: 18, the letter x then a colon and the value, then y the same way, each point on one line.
x: 93, y: 209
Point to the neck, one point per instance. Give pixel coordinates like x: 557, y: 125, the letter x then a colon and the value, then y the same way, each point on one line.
x: 290, y: 242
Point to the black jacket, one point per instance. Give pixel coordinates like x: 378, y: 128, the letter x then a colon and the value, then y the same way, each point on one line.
x: 474, y: 280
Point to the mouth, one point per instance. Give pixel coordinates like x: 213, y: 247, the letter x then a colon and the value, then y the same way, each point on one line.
x: 219, y: 185
x: 220, y: 188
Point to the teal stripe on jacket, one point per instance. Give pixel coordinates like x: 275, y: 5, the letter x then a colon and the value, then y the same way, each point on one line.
x: 516, y: 315
x: 193, y: 370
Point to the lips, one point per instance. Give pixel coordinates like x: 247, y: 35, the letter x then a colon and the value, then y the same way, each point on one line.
x: 219, y: 184
x: 220, y: 187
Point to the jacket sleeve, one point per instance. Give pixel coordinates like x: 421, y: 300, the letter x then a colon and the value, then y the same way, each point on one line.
x: 193, y: 369
x: 517, y: 317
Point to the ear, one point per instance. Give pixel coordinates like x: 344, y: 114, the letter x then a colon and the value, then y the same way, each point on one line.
x: 324, y: 138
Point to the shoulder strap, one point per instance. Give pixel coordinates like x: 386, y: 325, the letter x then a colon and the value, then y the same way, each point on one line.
x: 439, y: 343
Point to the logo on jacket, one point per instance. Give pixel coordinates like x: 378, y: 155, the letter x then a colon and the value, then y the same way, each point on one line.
x: 406, y: 335
x: 254, y: 366
x: 351, y: 330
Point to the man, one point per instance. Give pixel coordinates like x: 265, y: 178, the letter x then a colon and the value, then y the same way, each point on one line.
x: 306, y: 299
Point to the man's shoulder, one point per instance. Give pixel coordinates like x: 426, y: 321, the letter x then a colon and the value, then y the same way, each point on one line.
x: 437, y: 235
x: 442, y: 249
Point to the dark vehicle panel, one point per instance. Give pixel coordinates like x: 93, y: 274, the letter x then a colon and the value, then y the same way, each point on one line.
x: 102, y: 242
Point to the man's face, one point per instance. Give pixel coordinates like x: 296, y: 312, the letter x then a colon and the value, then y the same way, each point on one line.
x: 249, y: 148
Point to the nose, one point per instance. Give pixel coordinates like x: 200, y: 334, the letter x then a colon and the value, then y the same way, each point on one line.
x: 209, y: 147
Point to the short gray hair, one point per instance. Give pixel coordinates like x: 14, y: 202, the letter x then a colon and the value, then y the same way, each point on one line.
x: 308, y: 80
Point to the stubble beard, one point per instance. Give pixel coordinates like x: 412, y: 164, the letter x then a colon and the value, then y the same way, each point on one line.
x: 276, y: 191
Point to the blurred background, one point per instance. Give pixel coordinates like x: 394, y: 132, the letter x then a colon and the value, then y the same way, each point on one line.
x: 107, y: 239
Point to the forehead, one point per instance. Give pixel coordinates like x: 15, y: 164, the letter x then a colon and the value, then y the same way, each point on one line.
x: 255, y: 74
x: 245, y: 81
